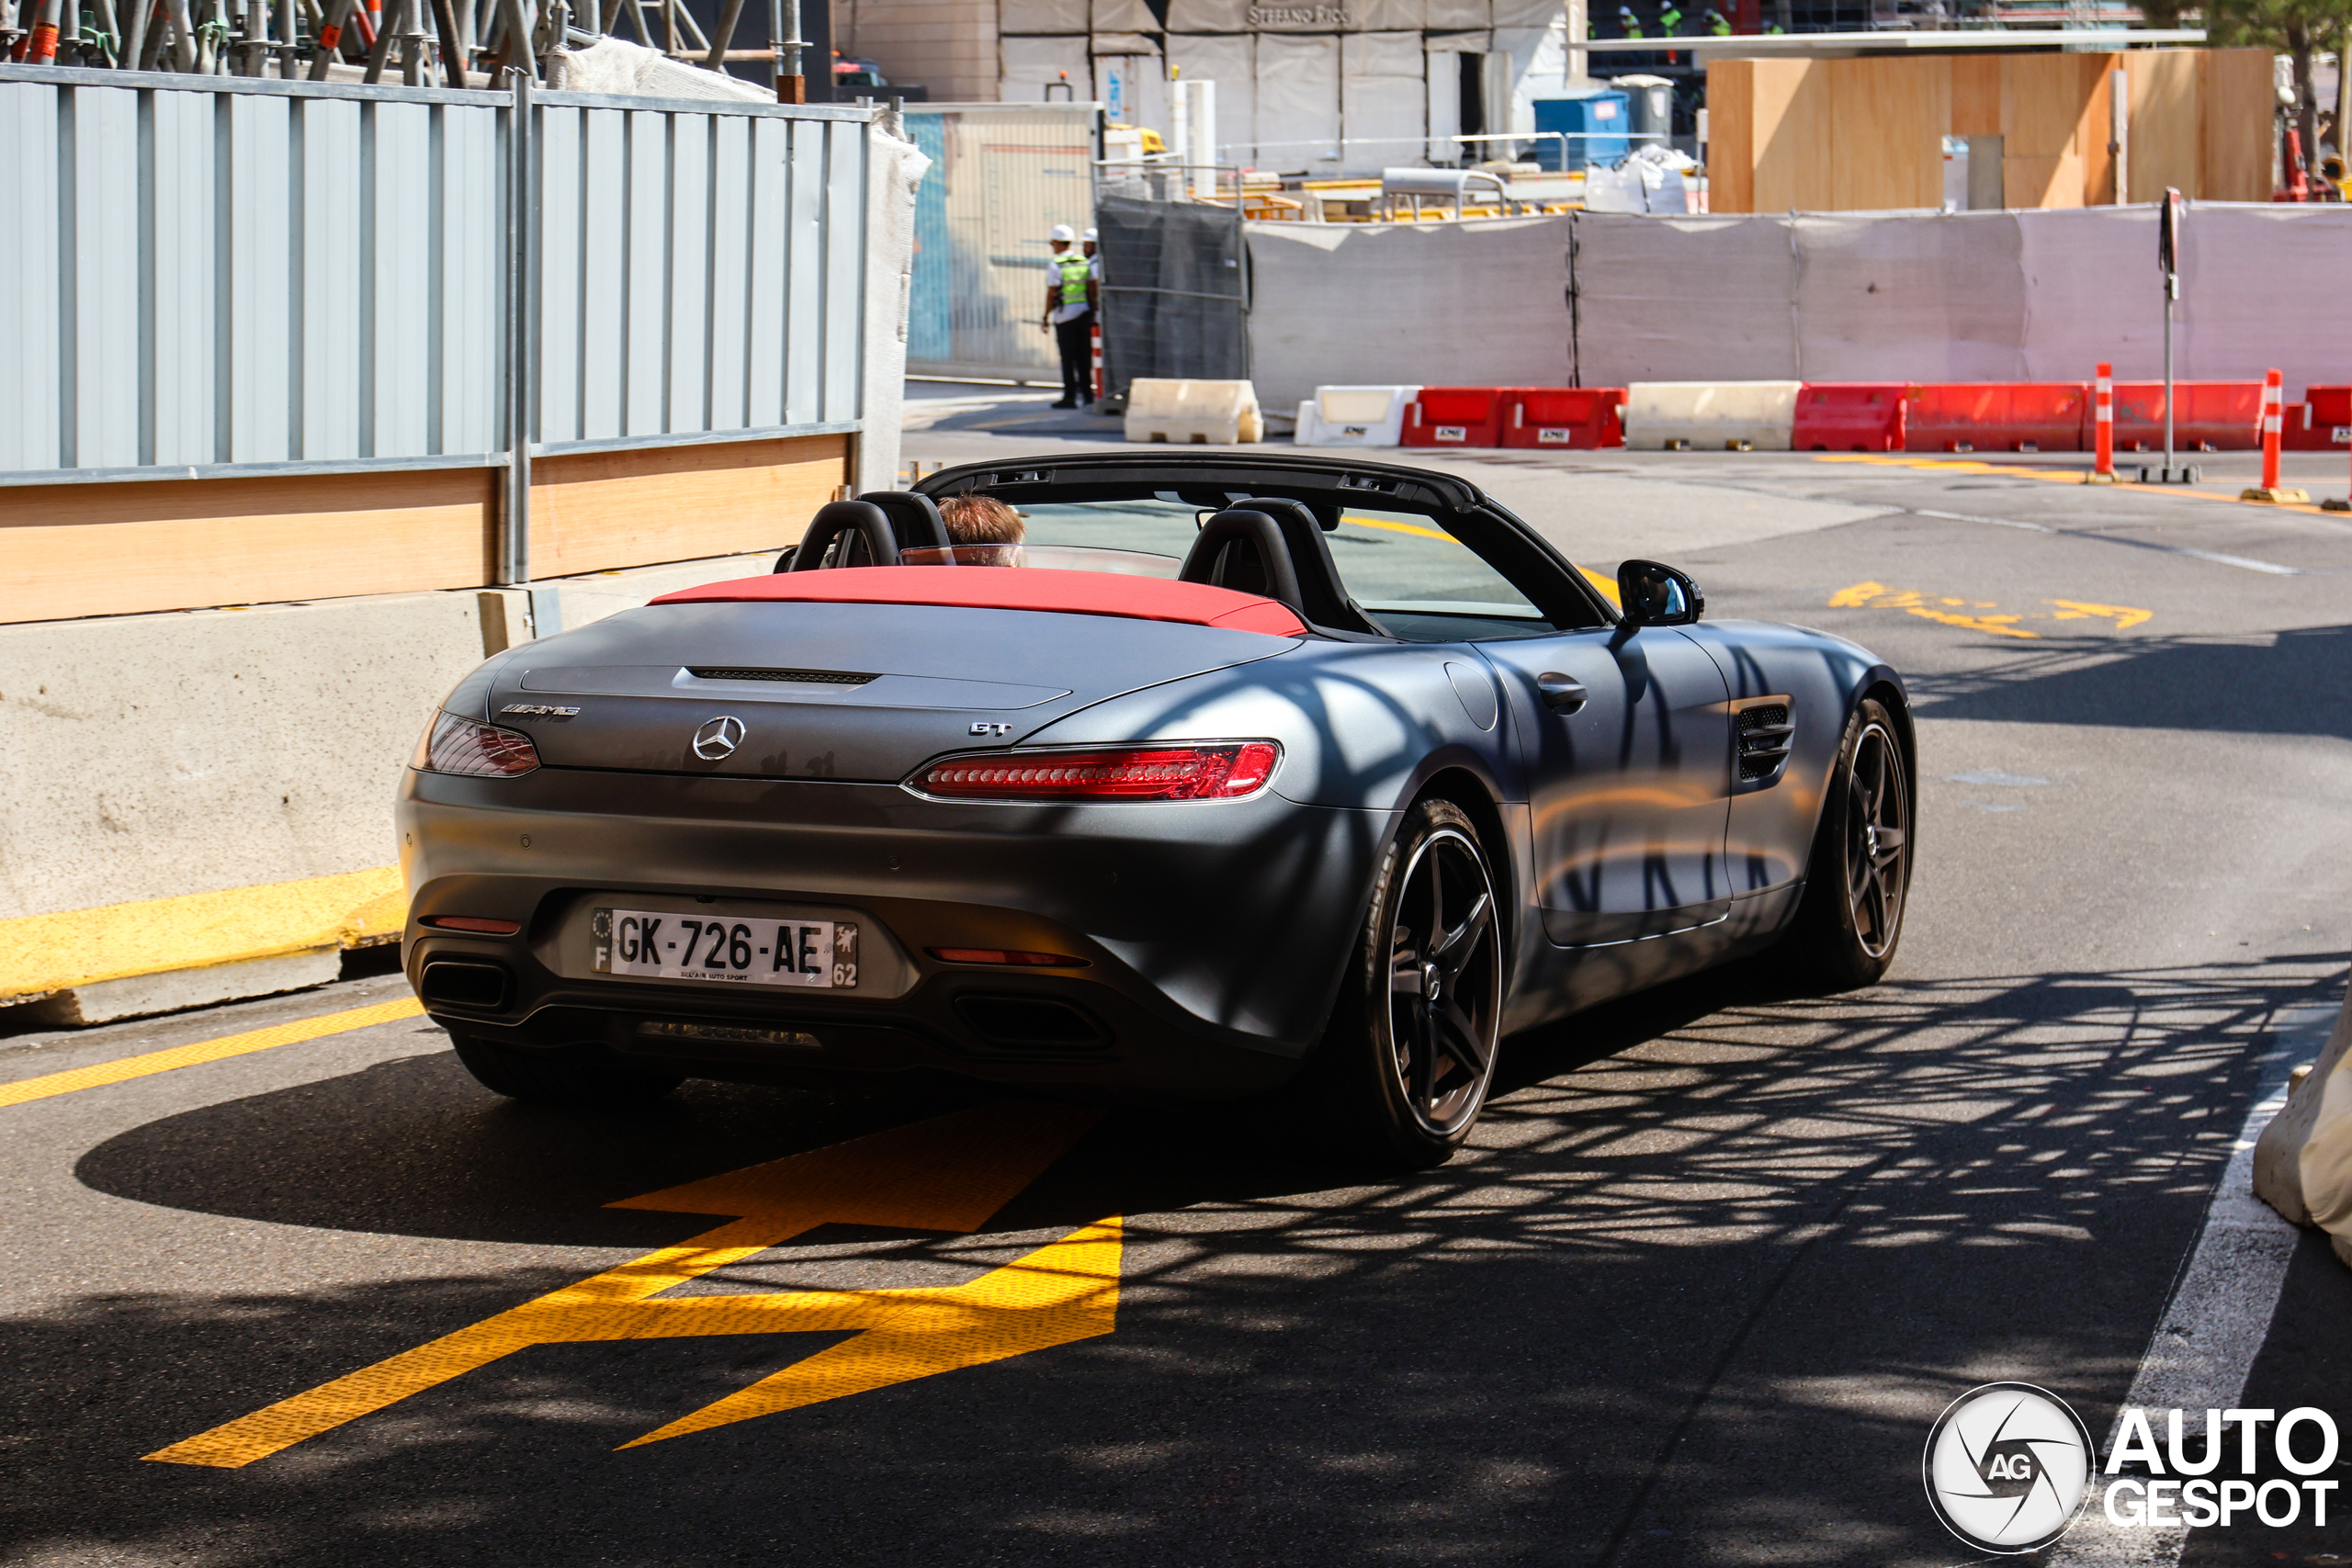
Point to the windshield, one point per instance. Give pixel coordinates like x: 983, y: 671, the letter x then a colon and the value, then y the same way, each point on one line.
x: 1414, y: 579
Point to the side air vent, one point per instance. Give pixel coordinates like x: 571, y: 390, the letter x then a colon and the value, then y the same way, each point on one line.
x: 805, y: 677
x: 1764, y: 734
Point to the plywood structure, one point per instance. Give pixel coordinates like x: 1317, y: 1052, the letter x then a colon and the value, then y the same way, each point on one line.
x: 600, y: 511
x: 1867, y: 134
x: 117, y: 549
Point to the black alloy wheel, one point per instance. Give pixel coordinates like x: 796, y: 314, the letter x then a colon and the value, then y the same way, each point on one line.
x: 1445, y: 983
x: 1408, y: 1060
x: 1878, y: 828
x: 1857, y: 884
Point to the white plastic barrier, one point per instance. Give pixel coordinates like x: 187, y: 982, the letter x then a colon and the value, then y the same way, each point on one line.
x: 1218, y: 413
x: 1711, y: 416
x: 2303, y: 1162
x: 1355, y: 416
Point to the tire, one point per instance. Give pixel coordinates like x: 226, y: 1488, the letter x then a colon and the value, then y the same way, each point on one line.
x: 1401, y: 1075
x: 1859, y: 879
x: 551, y: 1080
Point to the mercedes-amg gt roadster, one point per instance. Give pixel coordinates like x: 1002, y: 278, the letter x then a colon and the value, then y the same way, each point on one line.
x: 1291, y: 781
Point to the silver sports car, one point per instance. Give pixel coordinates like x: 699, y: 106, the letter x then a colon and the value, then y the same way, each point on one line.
x: 1216, y: 778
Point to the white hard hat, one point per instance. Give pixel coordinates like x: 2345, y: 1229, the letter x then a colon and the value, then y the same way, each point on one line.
x: 1090, y: 234
x: 1063, y: 231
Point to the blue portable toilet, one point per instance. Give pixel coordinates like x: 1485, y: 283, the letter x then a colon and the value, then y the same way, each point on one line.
x: 1595, y: 119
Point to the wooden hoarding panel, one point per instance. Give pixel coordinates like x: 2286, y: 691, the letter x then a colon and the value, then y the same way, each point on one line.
x: 601, y: 510
x: 2042, y: 112
x: 1888, y: 118
x: 119, y: 549
x: 1731, y: 128
x: 1793, y: 129
x: 2165, y: 121
x: 2238, y: 104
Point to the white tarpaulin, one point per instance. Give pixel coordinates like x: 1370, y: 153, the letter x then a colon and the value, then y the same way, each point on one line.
x: 1481, y: 304
x: 2020, y: 295
x: 1131, y: 83
x: 1298, y: 101
x: 1042, y: 16
x: 1027, y: 64
x: 1381, y: 99
x: 1229, y: 60
x: 1123, y: 16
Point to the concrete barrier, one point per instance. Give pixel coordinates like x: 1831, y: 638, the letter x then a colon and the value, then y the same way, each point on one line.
x: 1709, y: 416
x: 200, y: 801
x: 2302, y: 1161
x: 1218, y: 413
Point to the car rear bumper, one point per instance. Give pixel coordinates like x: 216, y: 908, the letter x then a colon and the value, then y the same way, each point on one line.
x: 1213, y: 934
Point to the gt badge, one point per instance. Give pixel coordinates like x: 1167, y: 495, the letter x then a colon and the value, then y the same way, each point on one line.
x: 985, y: 729
x: 718, y: 737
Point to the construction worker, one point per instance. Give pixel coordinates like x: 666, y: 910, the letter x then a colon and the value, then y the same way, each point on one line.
x: 1629, y: 23
x: 1717, y: 24
x: 1669, y: 21
x: 1069, y: 315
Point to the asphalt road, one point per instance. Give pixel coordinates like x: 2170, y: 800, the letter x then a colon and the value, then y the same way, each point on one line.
x: 1719, y: 1256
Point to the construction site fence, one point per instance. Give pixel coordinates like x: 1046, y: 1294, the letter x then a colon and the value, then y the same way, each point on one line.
x: 218, y: 275
x: 1604, y: 300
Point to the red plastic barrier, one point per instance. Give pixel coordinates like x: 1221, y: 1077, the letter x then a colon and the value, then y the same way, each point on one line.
x: 1998, y: 416
x: 1457, y: 416
x: 2209, y: 416
x: 1578, y: 418
x: 1850, y: 416
x: 2322, y: 422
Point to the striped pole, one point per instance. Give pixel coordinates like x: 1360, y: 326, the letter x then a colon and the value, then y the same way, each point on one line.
x: 2270, y: 411
x: 2103, y: 410
x: 1097, y: 336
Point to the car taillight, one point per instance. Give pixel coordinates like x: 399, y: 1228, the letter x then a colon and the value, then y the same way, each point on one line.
x: 465, y: 746
x: 1223, y: 770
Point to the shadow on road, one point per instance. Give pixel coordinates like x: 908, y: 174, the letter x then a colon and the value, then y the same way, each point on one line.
x: 1718, y: 1257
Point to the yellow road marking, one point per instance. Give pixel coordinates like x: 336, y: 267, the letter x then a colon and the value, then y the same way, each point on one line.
x: 1879, y: 596
x: 270, y: 1038
x: 948, y: 1174
x: 196, y: 930
x: 1608, y: 585
x: 2047, y: 476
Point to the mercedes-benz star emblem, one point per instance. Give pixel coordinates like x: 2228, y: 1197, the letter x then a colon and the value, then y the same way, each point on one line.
x: 718, y: 737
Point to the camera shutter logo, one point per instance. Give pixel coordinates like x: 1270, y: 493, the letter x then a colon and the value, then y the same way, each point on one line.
x: 2007, y: 1467
x: 718, y: 737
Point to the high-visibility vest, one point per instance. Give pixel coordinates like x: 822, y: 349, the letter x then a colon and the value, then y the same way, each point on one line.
x: 1075, y: 269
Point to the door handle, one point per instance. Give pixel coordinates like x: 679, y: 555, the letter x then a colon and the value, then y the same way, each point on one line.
x: 1560, y: 694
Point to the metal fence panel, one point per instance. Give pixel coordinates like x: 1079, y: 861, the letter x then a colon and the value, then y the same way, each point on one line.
x: 603, y: 182
x: 226, y: 273
x: 326, y: 398
x: 560, y: 280
x: 28, y: 335
x: 400, y: 262
x: 182, y: 264
x: 1001, y: 177
x: 104, y: 281
x: 1174, y: 289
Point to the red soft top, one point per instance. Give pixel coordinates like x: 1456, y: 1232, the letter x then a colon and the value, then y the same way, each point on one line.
x: 1012, y: 588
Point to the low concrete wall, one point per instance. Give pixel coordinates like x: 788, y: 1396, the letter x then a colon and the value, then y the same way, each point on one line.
x: 200, y: 801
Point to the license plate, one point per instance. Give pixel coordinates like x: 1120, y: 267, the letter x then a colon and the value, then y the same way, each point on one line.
x: 661, y: 944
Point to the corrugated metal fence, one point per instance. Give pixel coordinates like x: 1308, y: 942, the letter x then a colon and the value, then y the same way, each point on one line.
x: 227, y: 274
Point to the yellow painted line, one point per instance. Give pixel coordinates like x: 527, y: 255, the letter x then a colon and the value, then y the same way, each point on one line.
x: 197, y: 931
x: 2062, y: 476
x: 49, y: 1084
x: 1607, y: 584
x: 948, y: 1174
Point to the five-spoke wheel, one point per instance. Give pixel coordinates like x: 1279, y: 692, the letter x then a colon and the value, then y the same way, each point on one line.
x: 1851, y: 916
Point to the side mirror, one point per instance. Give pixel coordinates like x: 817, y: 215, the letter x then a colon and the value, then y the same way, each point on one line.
x: 1657, y: 595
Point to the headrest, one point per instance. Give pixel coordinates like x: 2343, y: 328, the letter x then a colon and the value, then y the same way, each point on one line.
x: 1210, y: 558
x: 861, y: 519
x: 914, y: 519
